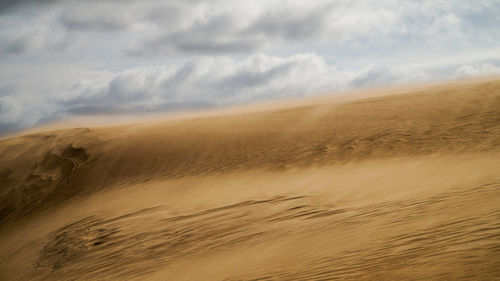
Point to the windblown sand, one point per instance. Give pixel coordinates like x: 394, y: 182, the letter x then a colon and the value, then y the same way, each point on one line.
x: 388, y: 187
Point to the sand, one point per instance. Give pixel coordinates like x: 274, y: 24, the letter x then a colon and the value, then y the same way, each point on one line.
x: 397, y: 185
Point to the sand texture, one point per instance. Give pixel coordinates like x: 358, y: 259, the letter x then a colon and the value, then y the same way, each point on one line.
x: 400, y: 186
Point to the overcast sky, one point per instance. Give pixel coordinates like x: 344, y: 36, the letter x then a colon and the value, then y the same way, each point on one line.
x: 65, y: 58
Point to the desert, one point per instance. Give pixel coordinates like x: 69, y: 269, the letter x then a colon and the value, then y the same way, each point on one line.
x: 397, y: 185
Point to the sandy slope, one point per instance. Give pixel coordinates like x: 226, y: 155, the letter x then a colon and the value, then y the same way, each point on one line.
x: 404, y: 186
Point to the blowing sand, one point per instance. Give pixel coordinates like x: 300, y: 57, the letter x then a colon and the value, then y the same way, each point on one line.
x: 378, y: 187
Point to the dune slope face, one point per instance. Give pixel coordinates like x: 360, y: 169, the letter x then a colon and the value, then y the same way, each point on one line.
x: 391, y: 187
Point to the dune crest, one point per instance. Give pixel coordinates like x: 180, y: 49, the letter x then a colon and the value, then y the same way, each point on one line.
x: 383, y: 187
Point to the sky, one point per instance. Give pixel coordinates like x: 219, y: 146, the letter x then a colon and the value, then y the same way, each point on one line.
x: 60, y: 59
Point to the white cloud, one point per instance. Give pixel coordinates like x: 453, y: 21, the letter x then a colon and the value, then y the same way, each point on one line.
x: 477, y: 70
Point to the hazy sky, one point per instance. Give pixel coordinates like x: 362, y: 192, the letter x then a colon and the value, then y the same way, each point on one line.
x: 61, y: 58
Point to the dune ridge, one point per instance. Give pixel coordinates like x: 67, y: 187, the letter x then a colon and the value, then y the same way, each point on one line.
x: 411, y: 177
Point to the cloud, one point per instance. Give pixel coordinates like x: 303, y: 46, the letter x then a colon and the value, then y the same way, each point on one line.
x: 197, y: 32
x: 197, y: 83
x: 12, y: 114
x: 248, y: 27
x: 291, y: 24
x: 477, y: 70
x: 99, y: 16
x: 92, y: 23
x: 379, y: 76
x: 31, y: 32
x: 223, y: 27
x: 208, y: 81
x: 191, y: 44
x: 38, y: 39
x: 9, y: 5
x: 68, y: 57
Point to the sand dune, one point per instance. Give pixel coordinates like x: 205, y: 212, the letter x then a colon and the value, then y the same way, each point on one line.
x: 382, y: 187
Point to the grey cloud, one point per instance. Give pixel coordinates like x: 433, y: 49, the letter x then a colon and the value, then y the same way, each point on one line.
x: 238, y: 31
x: 31, y: 37
x: 292, y: 24
x: 33, y: 42
x: 6, y: 90
x: 168, y: 14
x: 9, y: 5
x: 96, y: 16
x: 16, y: 46
x: 222, y: 27
x: 180, y: 43
x: 230, y: 33
x: 212, y: 37
x: 97, y: 24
